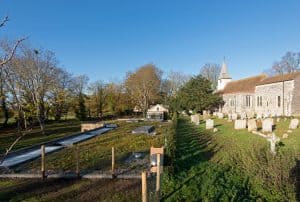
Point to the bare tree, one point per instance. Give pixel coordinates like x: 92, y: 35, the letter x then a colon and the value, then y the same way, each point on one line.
x: 144, y: 86
x: 289, y: 63
x: 211, y: 72
x: 175, y: 81
x: 98, y: 96
x: 8, y: 56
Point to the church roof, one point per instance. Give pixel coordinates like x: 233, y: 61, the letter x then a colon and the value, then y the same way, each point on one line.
x: 279, y: 78
x: 246, y: 85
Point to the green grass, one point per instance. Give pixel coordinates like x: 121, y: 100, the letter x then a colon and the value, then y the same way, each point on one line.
x: 53, y: 131
x: 231, y: 165
x: 95, y: 155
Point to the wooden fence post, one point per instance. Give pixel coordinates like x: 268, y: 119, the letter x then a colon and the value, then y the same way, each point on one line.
x: 43, y: 161
x: 113, y: 161
x: 144, y: 187
x: 158, y: 173
x: 77, y: 161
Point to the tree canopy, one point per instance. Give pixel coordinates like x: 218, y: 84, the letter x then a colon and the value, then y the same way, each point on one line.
x: 197, y: 95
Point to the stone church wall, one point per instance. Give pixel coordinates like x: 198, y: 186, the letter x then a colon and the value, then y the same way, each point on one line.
x: 296, y: 98
x: 236, y: 103
x: 270, y: 93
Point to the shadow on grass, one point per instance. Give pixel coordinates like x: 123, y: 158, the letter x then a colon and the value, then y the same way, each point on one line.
x: 295, y: 177
x: 192, y: 146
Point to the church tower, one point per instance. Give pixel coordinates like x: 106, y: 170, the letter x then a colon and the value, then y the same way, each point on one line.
x: 224, y: 77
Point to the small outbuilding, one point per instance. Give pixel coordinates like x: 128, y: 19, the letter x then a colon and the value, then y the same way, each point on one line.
x: 158, y: 112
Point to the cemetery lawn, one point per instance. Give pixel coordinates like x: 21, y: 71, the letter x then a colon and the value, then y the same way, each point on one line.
x: 54, y: 130
x: 232, y: 165
x: 95, y: 154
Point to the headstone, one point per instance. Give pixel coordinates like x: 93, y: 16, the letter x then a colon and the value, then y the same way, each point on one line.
x: 258, y: 116
x: 243, y: 115
x: 214, y: 113
x: 285, y: 135
x: 273, y: 139
x: 250, y: 115
x: 267, y: 125
x: 206, y: 116
x: 234, y: 116
x: 252, y: 126
x: 289, y: 131
x: 209, y: 124
x: 278, y: 120
x: 195, y: 119
x: 220, y: 115
x: 229, y: 116
x: 266, y: 115
x: 294, y: 124
x: 240, y: 124
x: 215, y: 130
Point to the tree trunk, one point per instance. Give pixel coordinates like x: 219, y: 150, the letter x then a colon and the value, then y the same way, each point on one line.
x: 5, y: 110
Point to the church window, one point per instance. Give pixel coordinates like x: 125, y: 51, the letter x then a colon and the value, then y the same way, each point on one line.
x: 259, y: 101
x: 278, y: 101
x: 248, y: 101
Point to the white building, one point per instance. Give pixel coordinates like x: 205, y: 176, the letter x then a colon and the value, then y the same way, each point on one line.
x: 157, y: 112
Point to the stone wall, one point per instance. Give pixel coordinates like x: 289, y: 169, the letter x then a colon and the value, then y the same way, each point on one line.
x: 270, y: 93
x: 296, y: 98
x: 236, y: 103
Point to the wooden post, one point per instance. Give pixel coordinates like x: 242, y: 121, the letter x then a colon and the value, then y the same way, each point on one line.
x: 113, y: 161
x: 43, y: 161
x: 158, y: 173
x: 144, y: 187
x: 77, y: 161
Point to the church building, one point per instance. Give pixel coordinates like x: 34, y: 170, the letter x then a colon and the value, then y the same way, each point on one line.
x: 260, y: 95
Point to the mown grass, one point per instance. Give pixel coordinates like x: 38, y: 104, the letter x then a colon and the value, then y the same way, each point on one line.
x: 53, y: 131
x: 95, y: 155
x: 232, y: 165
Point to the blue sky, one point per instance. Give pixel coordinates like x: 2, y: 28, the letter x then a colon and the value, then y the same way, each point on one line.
x: 105, y: 39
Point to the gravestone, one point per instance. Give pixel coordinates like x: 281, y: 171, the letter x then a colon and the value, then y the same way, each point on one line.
x: 229, y: 116
x: 215, y: 130
x: 214, y: 114
x: 273, y: 139
x: 234, y: 116
x: 266, y: 115
x: 220, y: 115
x: 258, y: 116
x: 206, y: 116
x: 252, y: 126
x: 250, y: 115
x: 240, y: 124
x: 285, y: 135
x: 243, y: 115
x: 294, y: 124
x: 195, y: 119
x: 267, y: 125
x: 148, y: 130
x: 209, y: 124
x: 278, y: 120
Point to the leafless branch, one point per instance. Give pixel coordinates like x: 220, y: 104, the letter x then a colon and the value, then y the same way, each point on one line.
x: 4, y: 21
x: 8, y: 58
x: 11, y: 146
